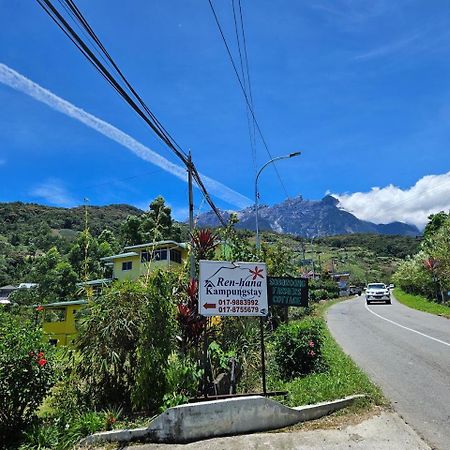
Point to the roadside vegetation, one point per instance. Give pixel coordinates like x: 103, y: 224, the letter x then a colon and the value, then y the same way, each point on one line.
x: 333, y: 376
x: 140, y: 344
x: 421, y: 303
x: 424, y: 278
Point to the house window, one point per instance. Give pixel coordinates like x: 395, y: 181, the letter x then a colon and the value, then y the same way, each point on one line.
x: 160, y: 255
x: 55, y: 314
x: 127, y: 265
x: 156, y: 255
x: 175, y: 256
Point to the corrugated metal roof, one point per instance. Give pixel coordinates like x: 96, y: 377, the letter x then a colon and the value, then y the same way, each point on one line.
x: 73, y: 302
x: 155, y: 245
x: 95, y: 282
x: 120, y: 255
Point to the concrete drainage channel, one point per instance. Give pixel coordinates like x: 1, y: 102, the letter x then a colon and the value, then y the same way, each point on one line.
x: 192, y: 422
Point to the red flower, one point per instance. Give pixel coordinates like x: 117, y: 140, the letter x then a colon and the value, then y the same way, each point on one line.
x: 40, y: 308
x: 183, y: 309
x: 40, y: 355
x: 312, y: 353
x: 42, y: 362
x: 311, y: 344
x: 431, y: 264
x: 192, y: 288
x: 256, y: 273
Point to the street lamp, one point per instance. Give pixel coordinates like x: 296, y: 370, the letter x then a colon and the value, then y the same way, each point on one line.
x: 291, y: 155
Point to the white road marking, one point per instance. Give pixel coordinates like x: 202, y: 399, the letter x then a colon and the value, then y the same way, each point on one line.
x: 406, y: 328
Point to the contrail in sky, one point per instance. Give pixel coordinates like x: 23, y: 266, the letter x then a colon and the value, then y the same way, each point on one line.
x: 17, y: 81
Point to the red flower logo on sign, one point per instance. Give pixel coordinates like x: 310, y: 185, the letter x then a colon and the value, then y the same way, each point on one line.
x: 256, y: 273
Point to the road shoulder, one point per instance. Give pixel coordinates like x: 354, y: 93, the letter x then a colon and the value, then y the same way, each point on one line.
x: 383, y: 431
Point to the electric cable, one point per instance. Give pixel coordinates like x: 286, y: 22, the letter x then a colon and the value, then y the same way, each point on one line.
x: 245, y: 94
x: 146, y: 114
x: 246, y: 80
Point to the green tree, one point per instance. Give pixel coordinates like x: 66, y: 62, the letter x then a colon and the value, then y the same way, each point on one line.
x: 84, y: 256
x: 130, y: 231
x: 55, y: 277
x: 412, y: 276
x: 154, y: 225
x: 436, y: 221
x: 107, y: 237
x: 157, y: 222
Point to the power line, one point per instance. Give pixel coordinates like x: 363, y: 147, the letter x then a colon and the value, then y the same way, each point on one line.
x: 137, y: 103
x: 88, y: 53
x: 246, y: 80
x: 247, y: 100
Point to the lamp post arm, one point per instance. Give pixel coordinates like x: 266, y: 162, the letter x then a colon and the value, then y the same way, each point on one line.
x: 258, y: 245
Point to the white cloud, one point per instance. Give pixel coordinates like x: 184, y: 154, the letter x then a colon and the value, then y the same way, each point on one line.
x: 390, y: 48
x: 17, y: 81
x: 429, y: 195
x: 54, y: 192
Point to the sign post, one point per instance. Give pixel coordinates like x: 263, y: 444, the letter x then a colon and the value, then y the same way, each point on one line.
x: 235, y: 289
x: 287, y: 291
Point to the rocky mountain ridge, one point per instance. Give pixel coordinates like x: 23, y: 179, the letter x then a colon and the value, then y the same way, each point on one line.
x: 309, y: 218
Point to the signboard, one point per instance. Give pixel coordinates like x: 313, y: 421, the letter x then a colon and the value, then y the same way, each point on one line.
x: 232, y: 289
x: 287, y: 291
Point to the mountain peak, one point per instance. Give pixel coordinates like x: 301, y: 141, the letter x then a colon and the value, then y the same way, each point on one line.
x: 308, y: 218
x: 330, y: 200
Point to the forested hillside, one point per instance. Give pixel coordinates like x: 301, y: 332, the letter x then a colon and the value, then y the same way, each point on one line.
x: 29, y: 231
x: 39, y: 243
x: 381, y: 245
x: 24, y: 221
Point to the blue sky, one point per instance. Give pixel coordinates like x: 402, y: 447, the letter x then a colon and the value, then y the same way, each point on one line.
x: 360, y: 87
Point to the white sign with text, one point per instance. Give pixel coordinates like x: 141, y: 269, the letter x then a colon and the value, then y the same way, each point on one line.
x: 232, y: 289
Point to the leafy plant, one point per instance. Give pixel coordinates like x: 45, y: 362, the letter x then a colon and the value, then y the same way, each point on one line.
x: 26, y: 373
x: 191, y: 323
x: 41, y: 437
x: 297, y: 348
x: 204, y: 242
x: 125, y: 341
x: 183, y: 378
x: 156, y: 341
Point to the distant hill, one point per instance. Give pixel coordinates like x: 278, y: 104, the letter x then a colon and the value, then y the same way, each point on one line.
x: 26, y: 218
x: 309, y: 218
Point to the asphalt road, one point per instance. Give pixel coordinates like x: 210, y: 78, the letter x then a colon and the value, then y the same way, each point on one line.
x: 407, y: 353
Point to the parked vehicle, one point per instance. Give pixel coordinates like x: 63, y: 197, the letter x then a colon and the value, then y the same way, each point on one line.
x: 378, y: 292
x: 355, y: 290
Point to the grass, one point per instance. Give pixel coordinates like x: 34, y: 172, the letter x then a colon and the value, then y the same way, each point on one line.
x: 342, y: 377
x: 421, y: 303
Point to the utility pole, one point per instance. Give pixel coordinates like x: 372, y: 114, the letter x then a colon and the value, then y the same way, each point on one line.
x: 191, y: 215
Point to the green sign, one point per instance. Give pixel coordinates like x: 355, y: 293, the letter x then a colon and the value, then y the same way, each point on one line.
x: 287, y: 291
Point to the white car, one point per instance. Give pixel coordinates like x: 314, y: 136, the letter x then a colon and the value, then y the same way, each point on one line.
x: 378, y: 292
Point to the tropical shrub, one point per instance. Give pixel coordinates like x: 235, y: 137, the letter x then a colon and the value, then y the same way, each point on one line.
x: 183, y: 377
x: 413, y: 277
x: 26, y: 373
x: 318, y: 294
x: 156, y: 342
x: 297, y: 348
x: 125, y: 341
